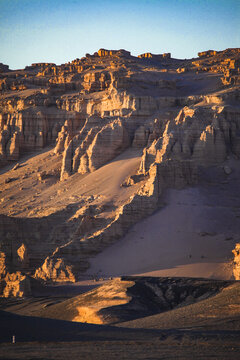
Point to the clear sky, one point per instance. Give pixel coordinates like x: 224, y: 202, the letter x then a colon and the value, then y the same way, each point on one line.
x: 61, y: 30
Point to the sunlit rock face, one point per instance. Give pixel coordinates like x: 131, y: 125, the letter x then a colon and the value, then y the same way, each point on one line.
x: 236, y: 262
x: 98, y: 114
x: 203, y: 135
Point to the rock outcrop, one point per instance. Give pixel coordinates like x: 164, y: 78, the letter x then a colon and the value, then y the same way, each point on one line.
x: 15, y: 285
x: 236, y: 262
x: 98, y: 147
x: 54, y: 270
x: 198, y: 136
x: 178, y: 115
x: 207, y: 53
x: 27, y: 130
x: 109, y: 142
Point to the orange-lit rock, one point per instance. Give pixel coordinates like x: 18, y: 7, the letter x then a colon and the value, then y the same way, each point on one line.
x: 15, y: 285
x: 98, y: 141
x: 207, y: 53
x: 153, y: 56
x: 236, y: 262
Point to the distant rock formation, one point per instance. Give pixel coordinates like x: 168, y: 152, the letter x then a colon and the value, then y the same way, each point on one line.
x: 207, y: 53
x: 156, y: 57
x: 104, y: 52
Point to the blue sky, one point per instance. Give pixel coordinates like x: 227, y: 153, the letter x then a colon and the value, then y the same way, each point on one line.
x: 62, y: 30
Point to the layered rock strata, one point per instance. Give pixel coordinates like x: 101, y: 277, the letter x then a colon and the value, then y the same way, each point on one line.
x: 181, y: 115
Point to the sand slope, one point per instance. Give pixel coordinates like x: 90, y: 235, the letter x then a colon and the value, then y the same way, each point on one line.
x: 192, y: 235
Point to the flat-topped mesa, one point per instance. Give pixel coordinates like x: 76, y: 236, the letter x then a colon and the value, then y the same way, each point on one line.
x: 121, y: 52
x: 41, y: 65
x: 226, y: 62
x: 230, y: 52
x: 149, y: 55
x: 207, y: 53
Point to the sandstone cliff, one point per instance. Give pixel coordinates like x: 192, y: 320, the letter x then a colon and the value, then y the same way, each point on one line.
x: 167, y: 118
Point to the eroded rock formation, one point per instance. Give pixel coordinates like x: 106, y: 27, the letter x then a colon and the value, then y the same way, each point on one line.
x: 177, y: 115
x: 198, y: 135
x: 15, y: 285
x: 236, y: 262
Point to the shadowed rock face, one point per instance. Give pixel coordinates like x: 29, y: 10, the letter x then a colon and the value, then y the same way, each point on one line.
x: 129, y: 298
x: 177, y: 115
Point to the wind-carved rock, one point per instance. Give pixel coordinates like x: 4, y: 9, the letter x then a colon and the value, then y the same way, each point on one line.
x: 96, y: 148
x: 55, y: 269
x: 3, y: 268
x: 15, y: 285
x: 23, y: 256
x: 200, y: 136
x: 109, y: 142
x: 28, y: 130
x: 67, y: 161
x: 236, y: 262
x: 96, y: 81
x: 93, y: 109
x: 12, y: 148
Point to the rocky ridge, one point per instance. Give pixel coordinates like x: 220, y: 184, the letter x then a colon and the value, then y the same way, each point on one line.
x: 129, y: 297
x: 180, y: 114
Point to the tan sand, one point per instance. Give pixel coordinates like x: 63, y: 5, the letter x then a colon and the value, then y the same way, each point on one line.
x: 161, y: 246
